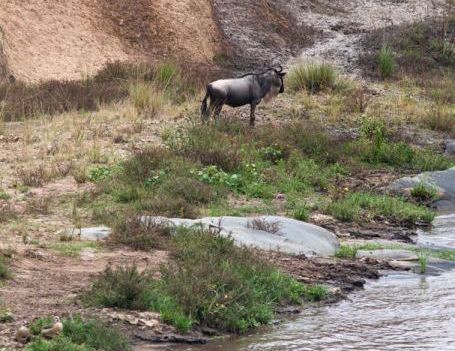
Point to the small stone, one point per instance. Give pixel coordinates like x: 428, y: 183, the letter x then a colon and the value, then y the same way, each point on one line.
x: 23, y: 335
x: 280, y: 197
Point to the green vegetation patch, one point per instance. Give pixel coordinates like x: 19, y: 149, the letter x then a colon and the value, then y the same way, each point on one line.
x: 205, y: 168
x: 4, y: 267
x: 360, y: 206
x: 80, y: 335
x: 73, y: 248
x: 386, y: 62
x: 209, y: 281
x: 424, y: 192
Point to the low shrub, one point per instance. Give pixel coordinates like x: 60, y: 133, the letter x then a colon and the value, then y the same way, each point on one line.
x: 35, y: 176
x: 312, y: 77
x: 131, y: 232
x: 209, y: 146
x: 123, y: 287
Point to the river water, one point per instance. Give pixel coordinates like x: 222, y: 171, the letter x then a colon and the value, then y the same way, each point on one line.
x: 400, y: 311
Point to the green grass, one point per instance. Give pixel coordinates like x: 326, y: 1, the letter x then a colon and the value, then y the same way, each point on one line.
x: 386, y: 62
x: 37, y: 325
x: 209, y: 281
x: 360, y: 206
x: 4, y: 195
x: 423, y: 261
x: 73, y: 248
x: 376, y: 148
x: 312, y: 77
x: 80, y: 335
x: 424, y: 192
x: 4, y: 270
x: 206, y: 168
x: 350, y: 251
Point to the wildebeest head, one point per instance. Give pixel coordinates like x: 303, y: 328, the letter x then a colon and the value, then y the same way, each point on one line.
x: 275, y: 83
x: 280, y: 74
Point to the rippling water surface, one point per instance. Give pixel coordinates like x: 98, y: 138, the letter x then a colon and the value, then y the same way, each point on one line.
x: 399, y: 312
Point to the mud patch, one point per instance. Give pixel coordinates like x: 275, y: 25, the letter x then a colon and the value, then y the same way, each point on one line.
x: 347, y: 275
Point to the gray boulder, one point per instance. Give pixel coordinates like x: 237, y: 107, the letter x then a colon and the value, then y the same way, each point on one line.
x: 288, y: 235
x: 450, y: 147
x: 389, y: 255
x: 444, y: 181
x: 89, y: 234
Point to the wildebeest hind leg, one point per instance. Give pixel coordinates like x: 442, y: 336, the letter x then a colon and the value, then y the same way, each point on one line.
x: 218, y: 107
x: 253, y: 114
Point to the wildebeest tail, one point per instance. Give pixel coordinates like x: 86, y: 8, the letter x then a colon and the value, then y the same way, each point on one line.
x: 204, y: 107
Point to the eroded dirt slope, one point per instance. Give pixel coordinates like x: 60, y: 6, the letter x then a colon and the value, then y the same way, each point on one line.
x: 66, y: 40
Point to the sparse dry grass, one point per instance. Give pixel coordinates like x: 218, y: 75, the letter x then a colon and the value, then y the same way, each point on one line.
x: 264, y: 225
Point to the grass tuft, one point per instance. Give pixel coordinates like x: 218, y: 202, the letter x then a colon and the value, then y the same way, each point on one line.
x: 312, y: 77
x: 386, y: 62
x: 424, y: 192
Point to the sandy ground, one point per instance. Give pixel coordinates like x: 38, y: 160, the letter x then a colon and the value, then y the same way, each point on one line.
x: 344, y: 24
x: 71, y: 39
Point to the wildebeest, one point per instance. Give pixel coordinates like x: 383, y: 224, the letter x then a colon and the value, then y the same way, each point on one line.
x: 249, y: 89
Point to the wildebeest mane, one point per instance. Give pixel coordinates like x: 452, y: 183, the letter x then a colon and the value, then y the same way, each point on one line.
x: 259, y: 73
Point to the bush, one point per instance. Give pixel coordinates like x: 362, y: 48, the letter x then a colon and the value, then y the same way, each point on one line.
x: 207, y: 145
x: 129, y: 231
x: 386, y: 62
x: 124, y: 287
x: 312, y: 77
x: 145, y: 164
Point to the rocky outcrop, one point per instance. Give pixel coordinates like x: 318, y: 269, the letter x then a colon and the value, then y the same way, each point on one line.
x: 444, y: 181
x: 266, y: 233
x: 450, y: 147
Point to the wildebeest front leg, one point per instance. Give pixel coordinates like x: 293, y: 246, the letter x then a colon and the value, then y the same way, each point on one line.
x: 252, y: 114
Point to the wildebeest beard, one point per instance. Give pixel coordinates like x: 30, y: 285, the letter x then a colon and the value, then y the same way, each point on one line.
x: 274, y: 90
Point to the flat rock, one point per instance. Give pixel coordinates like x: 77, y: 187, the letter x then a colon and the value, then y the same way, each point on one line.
x: 291, y: 236
x: 403, y: 265
x: 450, y: 147
x: 89, y: 234
x: 388, y: 255
x: 441, y: 236
x: 444, y: 181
